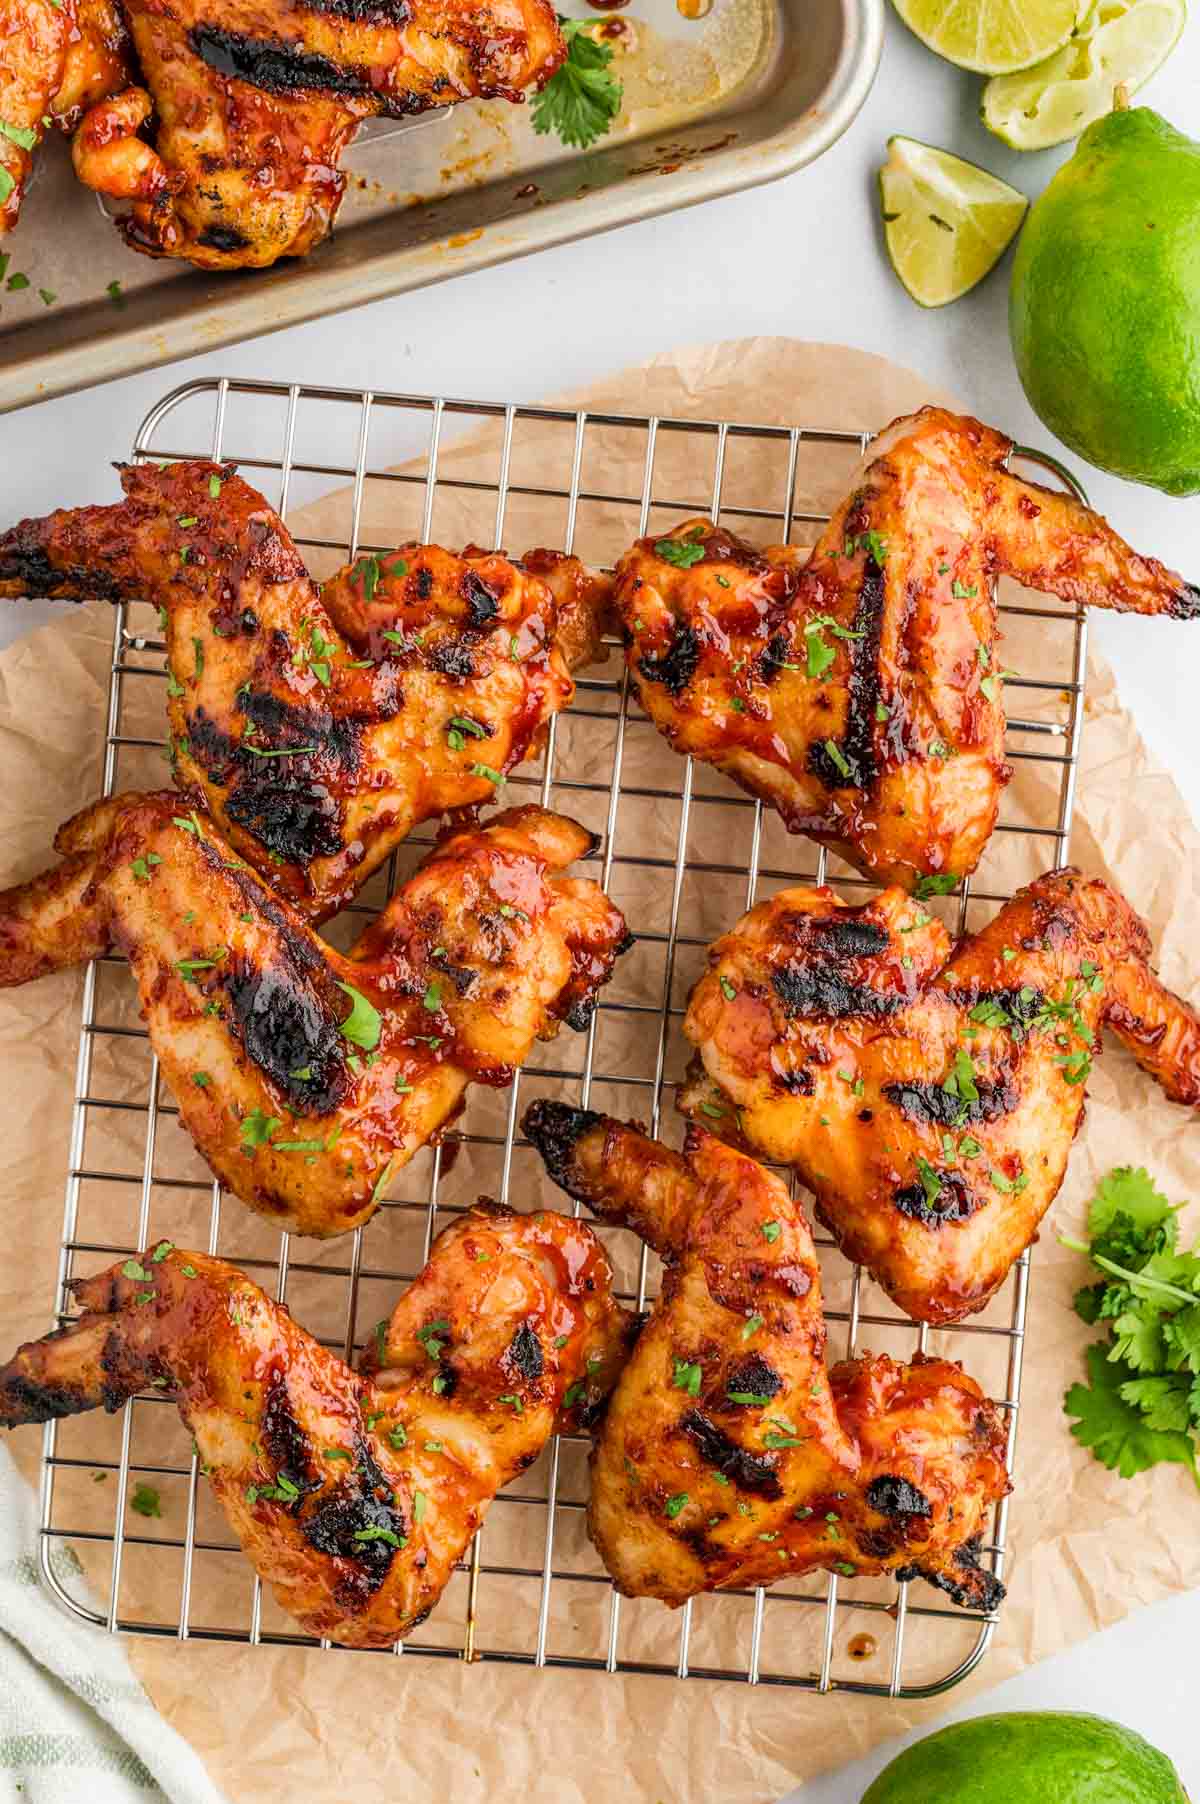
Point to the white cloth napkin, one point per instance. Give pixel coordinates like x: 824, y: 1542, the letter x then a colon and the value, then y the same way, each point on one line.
x: 76, y: 1727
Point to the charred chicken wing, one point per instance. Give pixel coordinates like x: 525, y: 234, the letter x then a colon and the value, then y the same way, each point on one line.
x: 929, y: 1100
x: 729, y: 1456
x: 253, y: 110
x: 318, y: 726
x: 307, y: 1079
x: 353, y: 1496
x: 859, y: 693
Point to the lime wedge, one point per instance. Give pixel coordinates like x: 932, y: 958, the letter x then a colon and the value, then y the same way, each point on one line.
x: 993, y: 37
x: 1119, y: 41
x: 946, y: 222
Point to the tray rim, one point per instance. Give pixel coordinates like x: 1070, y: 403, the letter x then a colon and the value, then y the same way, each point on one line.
x: 312, y: 290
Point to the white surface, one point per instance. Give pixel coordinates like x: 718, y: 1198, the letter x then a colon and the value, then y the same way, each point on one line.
x: 801, y: 257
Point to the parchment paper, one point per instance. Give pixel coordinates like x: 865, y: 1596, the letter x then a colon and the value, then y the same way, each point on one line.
x: 1087, y: 1547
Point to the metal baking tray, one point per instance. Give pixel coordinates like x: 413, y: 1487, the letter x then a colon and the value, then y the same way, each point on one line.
x: 530, y: 1590
x: 754, y: 90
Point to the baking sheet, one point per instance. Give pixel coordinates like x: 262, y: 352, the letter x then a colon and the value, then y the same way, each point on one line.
x: 746, y: 93
x: 1087, y: 1545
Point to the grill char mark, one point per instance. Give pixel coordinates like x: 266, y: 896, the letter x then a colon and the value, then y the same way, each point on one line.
x: 755, y: 1472
x: 893, y: 1496
x: 817, y: 985
x: 282, y: 1436
x: 677, y: 666
x: 931, y: 1106
x: 956, y: 1201
x: 278, y: 799
x: 524, y: 1353
x: 857, y: 745
x: 286, y: 1026
x: 355, y: 1505
x: 277, y: 68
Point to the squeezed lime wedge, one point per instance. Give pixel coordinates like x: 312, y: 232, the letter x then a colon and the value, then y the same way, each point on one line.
x: 1119, y: 43
x: 946, y: 222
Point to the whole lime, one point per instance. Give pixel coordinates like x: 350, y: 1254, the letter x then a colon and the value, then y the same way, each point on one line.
x: 1030, y: 1757
x: 1104, y: 311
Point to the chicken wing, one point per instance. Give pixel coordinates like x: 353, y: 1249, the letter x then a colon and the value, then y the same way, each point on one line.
x: 859, y: 693
x: 307, y: 1079
x: 353, y: 1496
x: 929, y: 1101
x: 56, y: 58
x: 318, y: 726
x: 255, y: 108
x: 728, y: 1455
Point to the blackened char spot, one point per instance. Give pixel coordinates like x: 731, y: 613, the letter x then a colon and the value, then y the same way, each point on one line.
x: 774, y: 657
x: 1185, y: 603
x: 26, y: 1400
x: 976, y: 1589
x: 282, y: 1437
x: 677, y: 666
x: 452, y: 658
x: 358, y: 1504
x: 1020, y: 1006
x: 816, y: 989
x: 857, y: 746
x: 23, y: 559
x: 847, y: 935
x: 893, y: 1496
x: 222, y: 238
x: 294, y: 819
x: 932, y: 1106
x: 755, y: 1377
x: 524, y: 1353
x: 799, y: 1082
x: 479, y: 599
x: 364, y: 12
x: 273, y: 798
x: 554, y: 1128
x: 272, y: 66
x: 955, y: 1201
x: 286, y: 1026
x: 757, y: 1472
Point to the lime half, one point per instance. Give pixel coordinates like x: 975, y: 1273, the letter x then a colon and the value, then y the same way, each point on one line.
x: 993, y: 37
x: 946, y: 222
x: 1119, y: 41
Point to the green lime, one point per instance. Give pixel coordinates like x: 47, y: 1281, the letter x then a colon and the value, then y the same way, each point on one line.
x: 992, y: 37
x: 1030, y: 1757
x: 1104, y: 311
x: 1119, y: 41
x: 946, y: 222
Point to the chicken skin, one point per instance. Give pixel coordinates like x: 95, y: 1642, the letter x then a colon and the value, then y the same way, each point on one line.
x: 307, y: 1079
x: 352, y: 1496
x: 729, y: 1456
x: 860, y: 693
x: 319, y: 726
x: 254, y: 109
x: 56, y: 58
x: 927, y: 1099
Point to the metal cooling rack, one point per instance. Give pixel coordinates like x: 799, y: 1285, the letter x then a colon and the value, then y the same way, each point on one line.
x: 813, y: 1634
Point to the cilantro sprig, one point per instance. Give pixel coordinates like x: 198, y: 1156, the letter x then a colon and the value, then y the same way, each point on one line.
x: 1141, y: 1404
x: 583, y: 96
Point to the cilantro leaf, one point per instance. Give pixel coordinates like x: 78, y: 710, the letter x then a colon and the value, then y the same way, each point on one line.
x: 1181, y: 1334
x: 1129, y: 1192
x: 1164, y: 1402
x: 582, y: 97
x: 1114, y: 1429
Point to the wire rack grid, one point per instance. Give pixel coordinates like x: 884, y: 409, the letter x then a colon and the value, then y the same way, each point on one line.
x: 530, y: 1589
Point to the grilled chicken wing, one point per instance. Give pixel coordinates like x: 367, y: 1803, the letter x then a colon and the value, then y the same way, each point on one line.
x: 306, y: 1079
x: 353, y: 1497
x: 929, y: 1101
x: 56, y: 58
x: 728, y: 1455
x: 318, y: 726
x: 255, y: 108
x: 859, y: 693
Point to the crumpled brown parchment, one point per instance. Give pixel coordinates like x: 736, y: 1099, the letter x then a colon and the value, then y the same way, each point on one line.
x: 1087, y: 1547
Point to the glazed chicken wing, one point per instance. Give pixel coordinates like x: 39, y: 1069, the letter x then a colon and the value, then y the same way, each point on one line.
x: 318, y: 726
x: 353, y: 1496
x: 728, y: 1455
x: 860, y: 693
x: 307, y: 1079
x: 56, y: 58
x: 253, y: 110
x: 929, y: 1101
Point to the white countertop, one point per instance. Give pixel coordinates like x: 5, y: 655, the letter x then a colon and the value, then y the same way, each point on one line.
x: 801, y: 257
